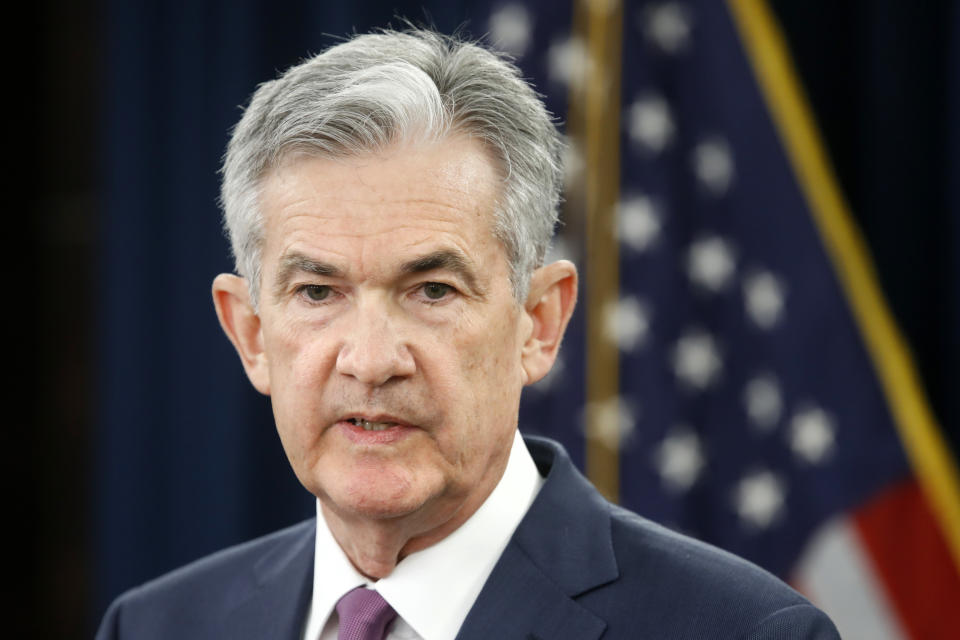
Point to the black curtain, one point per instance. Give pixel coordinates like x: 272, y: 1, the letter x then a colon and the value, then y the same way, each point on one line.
x: 883, y: 78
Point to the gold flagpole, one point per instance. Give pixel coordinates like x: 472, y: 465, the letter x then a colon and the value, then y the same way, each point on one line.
x: 594, y: 126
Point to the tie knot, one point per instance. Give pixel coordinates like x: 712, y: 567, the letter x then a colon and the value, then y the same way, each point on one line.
x: 364, y: 615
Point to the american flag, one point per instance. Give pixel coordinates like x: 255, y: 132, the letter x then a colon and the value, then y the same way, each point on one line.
x: 752, y: 412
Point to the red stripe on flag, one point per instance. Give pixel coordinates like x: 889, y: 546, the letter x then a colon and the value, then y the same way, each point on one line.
x: 909, y: 554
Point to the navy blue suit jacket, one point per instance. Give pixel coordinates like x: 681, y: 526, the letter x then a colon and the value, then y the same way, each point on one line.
x: 577, y: 567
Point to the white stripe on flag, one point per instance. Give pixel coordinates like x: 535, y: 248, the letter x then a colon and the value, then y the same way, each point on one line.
x: 836, y: 574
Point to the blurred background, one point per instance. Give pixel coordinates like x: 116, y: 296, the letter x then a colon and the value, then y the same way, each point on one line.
x: 763, y: 199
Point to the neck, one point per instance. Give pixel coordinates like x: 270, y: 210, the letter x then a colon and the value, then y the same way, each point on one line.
x: 376, y: 545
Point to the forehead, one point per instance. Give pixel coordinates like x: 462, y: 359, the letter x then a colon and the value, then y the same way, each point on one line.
x: 423, y: 194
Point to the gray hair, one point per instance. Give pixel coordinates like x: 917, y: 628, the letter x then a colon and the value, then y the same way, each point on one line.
x: 380, y: 89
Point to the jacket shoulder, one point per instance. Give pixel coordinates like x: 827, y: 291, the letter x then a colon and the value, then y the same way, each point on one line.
x: 644, y: 580
x: 195, y: 595
x: 699, y: 591
x: 683, y: 562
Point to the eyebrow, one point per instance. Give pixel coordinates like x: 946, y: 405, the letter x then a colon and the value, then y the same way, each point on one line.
x: 299, y: 263
x: 444, y: 259
x: 447, y: 260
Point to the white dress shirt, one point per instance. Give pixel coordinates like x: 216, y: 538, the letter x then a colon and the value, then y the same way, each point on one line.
x: 431, y: 590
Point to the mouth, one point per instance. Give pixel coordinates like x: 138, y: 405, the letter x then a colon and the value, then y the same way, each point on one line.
x: 374, y: 429
x: 371, y: 425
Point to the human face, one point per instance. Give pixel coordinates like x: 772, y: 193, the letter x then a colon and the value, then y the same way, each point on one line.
x: 392, y: 337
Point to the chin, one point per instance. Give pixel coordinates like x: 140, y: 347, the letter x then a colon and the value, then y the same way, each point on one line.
x: 378, y: 494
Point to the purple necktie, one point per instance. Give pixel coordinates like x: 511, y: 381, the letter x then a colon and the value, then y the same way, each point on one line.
x: 364, y: 615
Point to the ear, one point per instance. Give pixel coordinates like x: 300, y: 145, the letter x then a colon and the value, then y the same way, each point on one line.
x: 231, y: 297
x: 550, y: 303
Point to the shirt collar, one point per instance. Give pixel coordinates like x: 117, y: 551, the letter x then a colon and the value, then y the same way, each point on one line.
x: 434, y: 589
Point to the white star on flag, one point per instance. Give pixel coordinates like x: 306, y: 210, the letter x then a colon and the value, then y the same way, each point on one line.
x: 710, y: 263
x: 614, y: 421
x: 650, y: 123
x: 569, y: 62
x: 638, y: 223
x: 679, y: 459
x: 812, y: 435
x: 510, y: 28
x: 713, y: 165
x: 667, y: 25
x: 763, y: 402
x: 626, y: 323
x: 696, y: 360
x: 758, y: 499
x: 764, y: 296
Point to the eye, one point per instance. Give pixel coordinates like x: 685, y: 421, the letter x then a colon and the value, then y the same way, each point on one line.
x: 315, y: 292
x: 436, y: 290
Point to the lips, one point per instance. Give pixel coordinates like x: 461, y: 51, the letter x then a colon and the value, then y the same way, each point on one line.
x: 369, y: 425
x: 373, y: 429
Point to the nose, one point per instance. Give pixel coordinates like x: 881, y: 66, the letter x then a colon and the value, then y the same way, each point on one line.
x: 374, y: 350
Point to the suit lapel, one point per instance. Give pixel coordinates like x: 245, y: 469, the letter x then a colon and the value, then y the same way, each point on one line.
x: 519, y: 601
x: 274, y: 604
x: 561, y: 549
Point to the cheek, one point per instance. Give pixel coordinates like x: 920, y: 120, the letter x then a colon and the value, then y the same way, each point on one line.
x: 493, y: 351
x: 491, y: 374
x: 297, y: 373
x: 298, y: 355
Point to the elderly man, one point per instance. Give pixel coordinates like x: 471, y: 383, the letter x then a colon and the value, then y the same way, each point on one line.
x: 390, y: 202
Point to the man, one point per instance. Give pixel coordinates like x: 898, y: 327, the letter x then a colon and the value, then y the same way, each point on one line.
x: 390, y: 203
